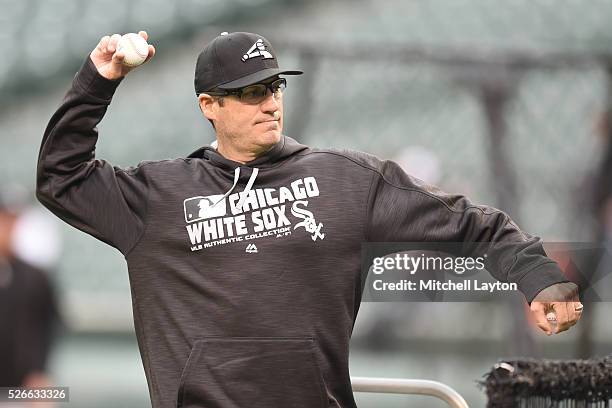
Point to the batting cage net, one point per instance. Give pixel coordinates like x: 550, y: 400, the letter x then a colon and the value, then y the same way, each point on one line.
x: 534, y: 383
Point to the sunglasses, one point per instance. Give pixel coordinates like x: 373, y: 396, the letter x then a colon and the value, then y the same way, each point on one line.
x: 254, y: 94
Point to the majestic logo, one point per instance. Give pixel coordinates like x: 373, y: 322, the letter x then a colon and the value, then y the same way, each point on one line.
x: 251, y: 249
x: 257, y: 50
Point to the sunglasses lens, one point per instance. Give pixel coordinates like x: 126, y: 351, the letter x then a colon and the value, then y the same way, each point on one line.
x: 278, y: 87
x: 254, y: 93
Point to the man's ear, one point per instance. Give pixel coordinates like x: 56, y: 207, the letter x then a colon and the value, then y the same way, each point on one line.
x: 208, y: 106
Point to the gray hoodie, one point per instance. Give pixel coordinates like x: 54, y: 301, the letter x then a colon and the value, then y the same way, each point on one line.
x: 246, y: 278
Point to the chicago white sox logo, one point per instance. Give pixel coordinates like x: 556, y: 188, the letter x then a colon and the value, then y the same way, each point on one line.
x: 257, y: 50
x: 244, y: 216
x: 309, y: 223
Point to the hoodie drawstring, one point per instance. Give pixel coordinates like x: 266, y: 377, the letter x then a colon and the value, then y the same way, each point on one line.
x: 247, y: 188
x: 244, y: 193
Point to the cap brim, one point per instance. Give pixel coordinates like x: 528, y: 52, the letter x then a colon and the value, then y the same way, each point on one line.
x: 257, y: 77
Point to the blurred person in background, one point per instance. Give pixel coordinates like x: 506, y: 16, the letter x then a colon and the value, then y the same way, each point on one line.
x: 231, y: 310
x: 28, y: 309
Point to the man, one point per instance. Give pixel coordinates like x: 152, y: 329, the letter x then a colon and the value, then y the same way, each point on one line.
x: 28, y: 312
x: 244, y: 257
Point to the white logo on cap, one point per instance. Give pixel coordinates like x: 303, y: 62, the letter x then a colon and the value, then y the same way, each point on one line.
x: 257, y: 50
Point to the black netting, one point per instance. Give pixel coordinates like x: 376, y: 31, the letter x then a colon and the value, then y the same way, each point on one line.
x: 531, y: 383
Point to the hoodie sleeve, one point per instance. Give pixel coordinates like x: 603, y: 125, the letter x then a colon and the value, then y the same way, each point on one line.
x: 104, y: 201
x: 402, y: 208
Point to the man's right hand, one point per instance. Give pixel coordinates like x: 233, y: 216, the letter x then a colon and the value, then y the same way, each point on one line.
x: 109, y: 62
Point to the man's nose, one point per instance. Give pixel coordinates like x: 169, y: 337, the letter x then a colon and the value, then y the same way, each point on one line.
x: 270, y: 104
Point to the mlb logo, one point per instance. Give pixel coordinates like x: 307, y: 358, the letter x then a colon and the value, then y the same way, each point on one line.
x: 201, y: 208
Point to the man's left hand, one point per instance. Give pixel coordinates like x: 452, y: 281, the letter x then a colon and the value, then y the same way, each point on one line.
x: 557, y: 307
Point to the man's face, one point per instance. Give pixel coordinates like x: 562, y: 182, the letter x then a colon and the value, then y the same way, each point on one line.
x: 249, y: 127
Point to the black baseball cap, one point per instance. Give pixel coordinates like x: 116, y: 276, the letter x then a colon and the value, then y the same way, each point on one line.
x: 236, y: 60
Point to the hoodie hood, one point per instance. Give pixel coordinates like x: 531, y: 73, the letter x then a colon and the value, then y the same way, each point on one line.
x: 281, y: 151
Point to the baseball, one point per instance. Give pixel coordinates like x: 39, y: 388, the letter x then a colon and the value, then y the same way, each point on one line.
x: 135, y: 49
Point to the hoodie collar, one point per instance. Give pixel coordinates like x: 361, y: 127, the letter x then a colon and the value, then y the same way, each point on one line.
x: 285, y: 148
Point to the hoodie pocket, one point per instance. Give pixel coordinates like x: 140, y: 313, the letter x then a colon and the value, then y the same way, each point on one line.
x: 241, y: 372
